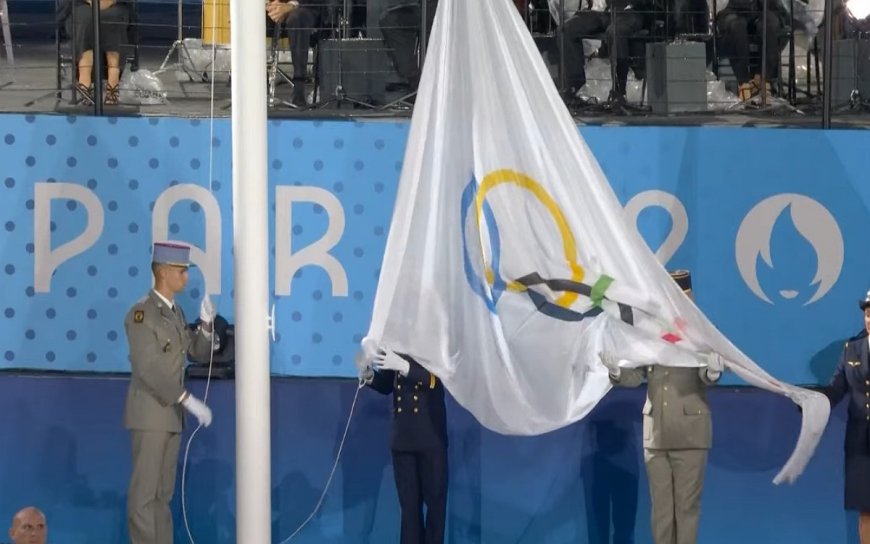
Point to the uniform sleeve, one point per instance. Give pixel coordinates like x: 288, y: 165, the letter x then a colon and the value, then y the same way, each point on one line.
x: 200, y: 340
x: 838, y: 386
x: 709, y: 378
x: 201, y: 344
x: 629, y: 377
x: 146, y: 358
x: 382, y: 381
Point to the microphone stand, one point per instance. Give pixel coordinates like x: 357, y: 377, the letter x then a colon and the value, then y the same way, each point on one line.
x: 339, y: 95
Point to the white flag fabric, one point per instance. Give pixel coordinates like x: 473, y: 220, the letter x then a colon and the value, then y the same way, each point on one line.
x: 509, y: 262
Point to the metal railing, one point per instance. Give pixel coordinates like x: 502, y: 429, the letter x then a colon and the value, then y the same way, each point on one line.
x: 656, y: 57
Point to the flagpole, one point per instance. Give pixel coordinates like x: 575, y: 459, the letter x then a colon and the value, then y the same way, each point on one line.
x: 561, y: 38
x: 250, y: 244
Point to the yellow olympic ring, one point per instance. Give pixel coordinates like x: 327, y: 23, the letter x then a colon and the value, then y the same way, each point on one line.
x: 569, y: 246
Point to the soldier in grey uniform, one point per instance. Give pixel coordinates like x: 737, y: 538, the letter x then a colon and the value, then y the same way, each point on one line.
x: 677, y: 433
x: 159, y: 340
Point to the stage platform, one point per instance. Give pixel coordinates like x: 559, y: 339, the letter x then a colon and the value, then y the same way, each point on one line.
x: 65, y: 450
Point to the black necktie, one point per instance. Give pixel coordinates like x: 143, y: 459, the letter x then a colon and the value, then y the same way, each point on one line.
x: 177, y: 313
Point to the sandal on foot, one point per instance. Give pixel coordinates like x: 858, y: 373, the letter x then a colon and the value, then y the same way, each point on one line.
x: 86, y: 93
x: 112, y: 97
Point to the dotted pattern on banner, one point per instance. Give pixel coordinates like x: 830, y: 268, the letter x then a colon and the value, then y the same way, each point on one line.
x: 359, y: 164
x: 127, y: 164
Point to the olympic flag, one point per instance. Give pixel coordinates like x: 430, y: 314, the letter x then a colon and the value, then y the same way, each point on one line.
x: 509, y: 264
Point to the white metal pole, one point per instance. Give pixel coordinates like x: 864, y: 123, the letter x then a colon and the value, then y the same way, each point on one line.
x: 251, y: 247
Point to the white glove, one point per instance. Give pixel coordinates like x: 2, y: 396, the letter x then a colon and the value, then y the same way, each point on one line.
x: 610, y: 361
x: 207, y: 312
x: 715, y: 362
x: 198, y: 409
x: 387, y: 359
x: 364, y: 369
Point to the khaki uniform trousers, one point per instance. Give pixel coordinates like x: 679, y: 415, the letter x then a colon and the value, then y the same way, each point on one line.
x: 155, y: 457
x: 676, y: 479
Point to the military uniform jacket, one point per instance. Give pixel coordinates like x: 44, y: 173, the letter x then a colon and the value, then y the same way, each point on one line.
x: 852, y: 380
x: 419, y: 413
x: 159, y: 340
x: 675, y: 414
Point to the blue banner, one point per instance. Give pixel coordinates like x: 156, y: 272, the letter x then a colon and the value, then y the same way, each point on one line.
x: 770, y: 222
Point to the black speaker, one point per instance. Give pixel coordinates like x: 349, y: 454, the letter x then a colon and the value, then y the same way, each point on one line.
x: 675, y: 77
x: 850, y: 68
x: 365, y: 69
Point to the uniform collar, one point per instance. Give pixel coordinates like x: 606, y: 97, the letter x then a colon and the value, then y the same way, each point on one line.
x: 169, y: 303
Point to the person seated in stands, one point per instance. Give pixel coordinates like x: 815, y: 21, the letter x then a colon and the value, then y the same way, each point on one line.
x: 300, y: 18
x: 400, y: 24
x: 630, y: 17
x: 115, y: 17
x: 688, y: 17
x: 740, y: 24
x: 28, y: 527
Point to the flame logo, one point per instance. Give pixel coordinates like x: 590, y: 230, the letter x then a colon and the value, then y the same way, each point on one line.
x: 812, y: 220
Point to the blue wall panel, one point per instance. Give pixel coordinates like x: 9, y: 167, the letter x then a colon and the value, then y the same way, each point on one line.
x: 799, y: 195
x: 65, y: 450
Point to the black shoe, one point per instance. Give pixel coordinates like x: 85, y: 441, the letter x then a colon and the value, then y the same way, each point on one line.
x: 617, y: 98
x: 400, y: 87
x: 569, y: 96
x: 579, y: 102
x: 298, y: 97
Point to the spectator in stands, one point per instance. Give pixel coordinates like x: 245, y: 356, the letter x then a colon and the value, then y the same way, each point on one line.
x: 115, y: 16
x: 740, y: 26
x: 851, y: 380
x: 631, y: 16
x: 28, y: 526
x: 300, y: 18
x: 400, y: 24
x: 688, y: 17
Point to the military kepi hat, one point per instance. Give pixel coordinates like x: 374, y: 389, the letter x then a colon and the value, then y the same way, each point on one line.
x: 683, y: 279
x: 863, y: 304
x: 171, y: 254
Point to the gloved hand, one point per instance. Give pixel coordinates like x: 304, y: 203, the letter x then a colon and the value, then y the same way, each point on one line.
x: 364, y: 369
x: 387, y: 359
x: 715, y: 362
x: 609, y: 360
x: 198, y: 409
x: 207, y: 312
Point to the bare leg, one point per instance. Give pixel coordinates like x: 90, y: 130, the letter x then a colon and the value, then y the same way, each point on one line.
x: 86, y: 68
x: 864, y: 527
x: 113, y: 68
